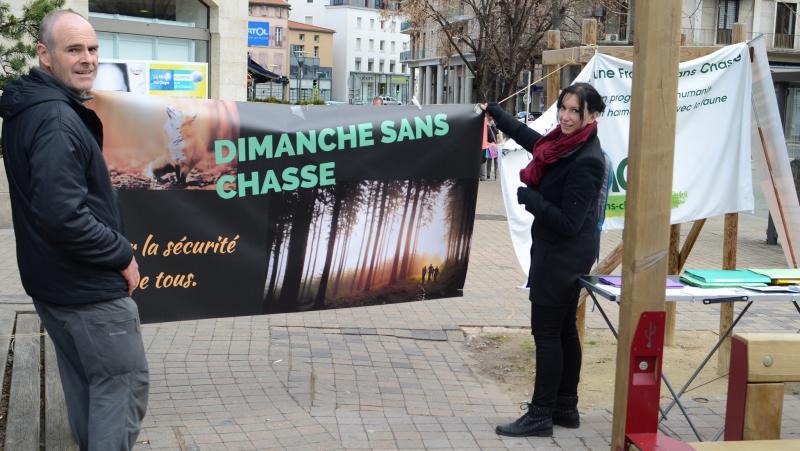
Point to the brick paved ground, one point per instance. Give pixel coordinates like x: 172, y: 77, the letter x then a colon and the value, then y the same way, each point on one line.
x: 388, y: 377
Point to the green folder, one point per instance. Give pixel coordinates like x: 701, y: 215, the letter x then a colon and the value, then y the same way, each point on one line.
x: 784, y: 274
x: 727, y: 276
x: 688, y: 279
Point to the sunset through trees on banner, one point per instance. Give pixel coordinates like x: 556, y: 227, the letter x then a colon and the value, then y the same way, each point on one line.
x: 368, y: 241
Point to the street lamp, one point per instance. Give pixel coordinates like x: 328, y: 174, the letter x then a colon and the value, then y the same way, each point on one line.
x: 301, y: 59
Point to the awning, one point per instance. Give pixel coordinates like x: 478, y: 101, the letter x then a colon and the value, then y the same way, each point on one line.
x: 261, y: 75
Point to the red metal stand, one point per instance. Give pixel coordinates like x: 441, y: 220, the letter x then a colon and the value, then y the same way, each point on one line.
x: 737, y: 392
x: 644, y: 386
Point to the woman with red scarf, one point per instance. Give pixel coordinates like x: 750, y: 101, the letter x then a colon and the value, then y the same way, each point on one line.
x: 563, y: 183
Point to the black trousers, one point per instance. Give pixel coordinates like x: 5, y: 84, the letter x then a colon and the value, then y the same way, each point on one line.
x: 558, y: 351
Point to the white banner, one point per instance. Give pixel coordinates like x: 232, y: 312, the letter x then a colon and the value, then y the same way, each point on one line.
x: 712, y: 172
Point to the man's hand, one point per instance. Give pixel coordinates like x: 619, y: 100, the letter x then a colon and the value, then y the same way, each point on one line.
x: 131, y: 275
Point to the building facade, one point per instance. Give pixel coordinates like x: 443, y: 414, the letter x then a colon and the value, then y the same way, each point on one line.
x: 177, y: 30
x: 311, y: 62
x: 268, y: 43
x: 440, y: 74
x: 436, y: 79
x: 366, y: 47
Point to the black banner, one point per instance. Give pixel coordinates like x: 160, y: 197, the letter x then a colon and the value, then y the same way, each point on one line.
x: 249, y: 208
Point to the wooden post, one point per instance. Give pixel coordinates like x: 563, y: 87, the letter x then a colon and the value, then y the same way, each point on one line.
x: 649, y: 195
x: 673, y: 269
x: 589, y: 37
x: 729, y: 255
x: 589, y: 32
x: 688, y: 244
x: 763, y: 411
x: 554, y: 80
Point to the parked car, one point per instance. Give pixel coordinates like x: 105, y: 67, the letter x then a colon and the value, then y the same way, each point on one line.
x: 388, y: 100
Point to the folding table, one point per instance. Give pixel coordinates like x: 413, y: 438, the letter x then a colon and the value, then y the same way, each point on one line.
x: 687, y: 293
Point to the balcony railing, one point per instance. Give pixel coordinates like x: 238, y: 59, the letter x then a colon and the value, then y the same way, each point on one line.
x: 724, y: 36
x: 784, y: 41
x: 455, y: 13
x: 377, y: 4
x: 713, y: 36
x: 410, y: 55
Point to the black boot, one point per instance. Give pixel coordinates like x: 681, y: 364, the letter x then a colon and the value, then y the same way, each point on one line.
x: 566, y: 412
x: 537, y: 422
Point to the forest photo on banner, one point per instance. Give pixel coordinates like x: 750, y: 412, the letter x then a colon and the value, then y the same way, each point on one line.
x: 249, y: 208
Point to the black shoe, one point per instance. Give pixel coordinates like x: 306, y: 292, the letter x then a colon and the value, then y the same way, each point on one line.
x: 566, y: 412
x: 537, y: 422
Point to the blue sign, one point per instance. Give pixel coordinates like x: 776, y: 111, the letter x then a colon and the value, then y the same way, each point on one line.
x: 174, y: 79
x: 161, y: 80
x: 258, y: 34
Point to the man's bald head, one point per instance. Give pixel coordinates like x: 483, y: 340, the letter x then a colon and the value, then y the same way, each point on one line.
x: 68, y: 49
x: 49, y: 22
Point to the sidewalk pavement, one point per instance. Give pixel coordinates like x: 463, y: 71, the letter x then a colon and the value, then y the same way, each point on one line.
x: 390, y: 376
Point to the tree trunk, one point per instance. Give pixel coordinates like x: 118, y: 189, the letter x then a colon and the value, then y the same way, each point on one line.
x: 298, y: 242
x: 379, y: 234
x: 316, y: 218
x: 362, y: 279
x: 326, y: 269
x: 364, y: 237
x: 396, y: 259
x: 409, y: 231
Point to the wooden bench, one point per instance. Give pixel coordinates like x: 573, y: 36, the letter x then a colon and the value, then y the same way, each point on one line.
x: 750, y: 445
x: 760, y: 365
x: 33, y: 418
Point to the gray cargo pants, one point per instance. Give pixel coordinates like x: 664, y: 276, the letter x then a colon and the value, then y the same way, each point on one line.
x: 103, y: 370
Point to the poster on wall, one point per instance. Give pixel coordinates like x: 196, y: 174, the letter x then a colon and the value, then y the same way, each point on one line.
x: 172, y: 79
x: 248, y: 208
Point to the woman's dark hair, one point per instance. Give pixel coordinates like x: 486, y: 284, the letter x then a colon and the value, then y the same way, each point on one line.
x: 588, y: 98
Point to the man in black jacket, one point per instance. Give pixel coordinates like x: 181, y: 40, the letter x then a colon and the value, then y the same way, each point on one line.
x: 73, y: 258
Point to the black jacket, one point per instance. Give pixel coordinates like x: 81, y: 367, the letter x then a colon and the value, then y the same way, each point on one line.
x: 564, y: 205
x: 67, y: 219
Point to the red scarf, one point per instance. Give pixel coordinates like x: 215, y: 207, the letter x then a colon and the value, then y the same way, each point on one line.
x: 550, y: 148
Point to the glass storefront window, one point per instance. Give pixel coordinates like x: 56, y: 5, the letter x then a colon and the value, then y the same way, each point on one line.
x: 163, y: 30
x: 140, y: 47
x: 188, y: 13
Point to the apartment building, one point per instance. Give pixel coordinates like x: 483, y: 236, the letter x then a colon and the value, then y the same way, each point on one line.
x: 366, y: 47
x: 311, y: 61
x: 268, y: 46
x: 209, y: 31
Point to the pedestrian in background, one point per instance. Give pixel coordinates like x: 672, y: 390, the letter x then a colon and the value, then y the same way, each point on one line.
x: 73, y: 259
x: 563, y: 190
x: 490, y: 153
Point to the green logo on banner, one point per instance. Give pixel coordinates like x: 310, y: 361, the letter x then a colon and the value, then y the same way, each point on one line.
x: 615, y: 207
